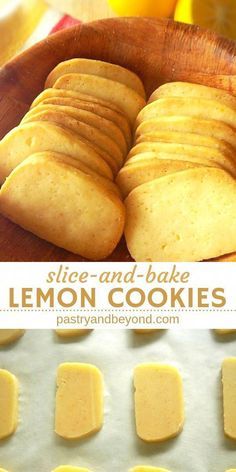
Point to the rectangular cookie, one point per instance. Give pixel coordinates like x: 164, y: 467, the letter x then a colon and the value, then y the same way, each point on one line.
x: 159, y: 406
x: 64, y: 206
x: 103, y: 69
x: 123, y: 97
x: 187, y: 216
x: 79, y: 400
x: 229, y: 396
x: 8, y: 403
x: 30, y: 138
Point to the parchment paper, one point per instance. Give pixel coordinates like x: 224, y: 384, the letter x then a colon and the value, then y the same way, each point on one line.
x: 202, y: 447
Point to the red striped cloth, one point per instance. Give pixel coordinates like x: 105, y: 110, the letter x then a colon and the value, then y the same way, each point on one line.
x: 65, y: 22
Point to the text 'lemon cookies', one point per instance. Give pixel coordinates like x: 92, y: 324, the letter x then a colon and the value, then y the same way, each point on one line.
x: 159, y: 408
x: 79, y: 400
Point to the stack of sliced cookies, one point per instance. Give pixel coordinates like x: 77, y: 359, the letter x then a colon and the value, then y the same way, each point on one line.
x: 68, y: 165
x: 61, y: 161
x: 179, y: 178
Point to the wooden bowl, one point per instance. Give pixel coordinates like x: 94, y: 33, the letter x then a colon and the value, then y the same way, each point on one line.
x: 158, y: 51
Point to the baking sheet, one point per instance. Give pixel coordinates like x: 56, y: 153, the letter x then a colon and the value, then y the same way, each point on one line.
x: 202, y: 447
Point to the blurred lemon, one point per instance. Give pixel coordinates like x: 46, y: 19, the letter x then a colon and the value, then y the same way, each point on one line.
x: 156, y: 8
x: 217, y: 15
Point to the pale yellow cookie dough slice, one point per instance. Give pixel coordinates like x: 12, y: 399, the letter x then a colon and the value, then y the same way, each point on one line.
x: 159, y: 405
x: 118, y: 94
x: 64, y: 206
x: 98, y: 68
x: 229, y: 396
x: 71, y: 333
x: 8, y: 403
x: 79, y: 400
x: 116, y: 117
x: 3, y: 470
x: 8, y: 336
x: 30, y: 138
x: 69, y: 468
x: 106, y: 127
x: 131, y: 176
x: 145, y: 468
x: 188, y: 216
x: 231, y: 470
x: 89, y: 135
x: 203, y: 128
x: 195, y: 107
x: 190, y: 90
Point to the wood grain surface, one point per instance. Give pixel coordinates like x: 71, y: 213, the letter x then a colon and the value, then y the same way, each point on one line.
x: 158, y: 50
